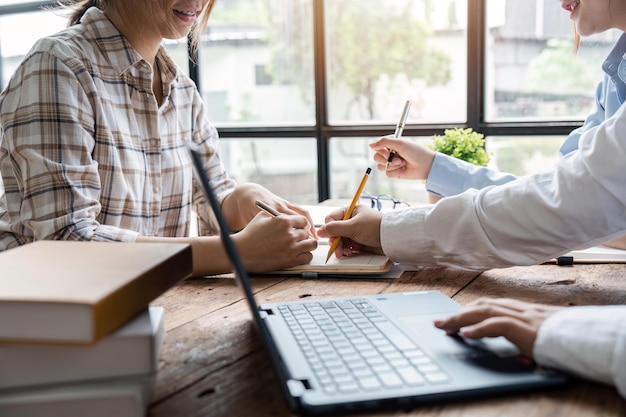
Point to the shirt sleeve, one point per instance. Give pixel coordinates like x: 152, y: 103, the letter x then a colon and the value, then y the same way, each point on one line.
x: 586, y: 341
x: 577, y: 204
x: 450, y: 176
x: 48, y: 131
x: 207, y: 137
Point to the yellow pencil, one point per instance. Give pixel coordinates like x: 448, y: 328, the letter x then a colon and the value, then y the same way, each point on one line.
x: 348, y: 214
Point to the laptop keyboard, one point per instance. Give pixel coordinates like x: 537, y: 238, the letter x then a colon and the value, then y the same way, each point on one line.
x: 352, y: 347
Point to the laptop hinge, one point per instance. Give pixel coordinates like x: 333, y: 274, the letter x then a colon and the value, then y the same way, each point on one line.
x: 297, y: 387
x: 267, y: 311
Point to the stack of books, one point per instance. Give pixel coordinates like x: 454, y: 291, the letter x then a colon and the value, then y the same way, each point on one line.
x: 78, y: 336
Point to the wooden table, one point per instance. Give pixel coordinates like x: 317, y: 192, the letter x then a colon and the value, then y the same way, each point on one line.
x: 212, y: 362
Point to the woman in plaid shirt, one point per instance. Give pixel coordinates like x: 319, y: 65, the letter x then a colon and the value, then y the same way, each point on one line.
x: 95, y: 123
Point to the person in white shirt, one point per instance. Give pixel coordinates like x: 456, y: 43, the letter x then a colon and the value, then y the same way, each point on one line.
x: 445, y: 175
x: 581, y: 202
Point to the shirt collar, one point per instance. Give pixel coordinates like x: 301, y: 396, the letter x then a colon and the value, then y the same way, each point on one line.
x: 614, y: 64
x: 121, y: 55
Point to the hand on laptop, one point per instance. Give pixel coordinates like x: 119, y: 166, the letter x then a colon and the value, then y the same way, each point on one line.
x: 362, y: 230
x: 517, y: 321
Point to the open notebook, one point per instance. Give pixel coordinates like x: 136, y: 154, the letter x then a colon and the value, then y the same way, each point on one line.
x: 361, y: 263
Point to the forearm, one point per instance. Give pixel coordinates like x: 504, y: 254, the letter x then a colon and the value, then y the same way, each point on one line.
x: 450, y: 176
x: 208, y: 254
x: 232, y: 210
x: 524, y: 222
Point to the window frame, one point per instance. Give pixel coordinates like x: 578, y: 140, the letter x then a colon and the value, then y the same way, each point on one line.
x: 323, y: 130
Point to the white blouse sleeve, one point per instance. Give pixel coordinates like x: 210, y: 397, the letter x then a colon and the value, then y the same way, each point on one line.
x: 579, y: 203
x: 586, y: 341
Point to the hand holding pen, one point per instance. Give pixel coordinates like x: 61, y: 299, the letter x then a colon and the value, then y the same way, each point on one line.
x: 413, y: 161
x: 399, y: 128
x: 273, y: 212
x: 268, y: 209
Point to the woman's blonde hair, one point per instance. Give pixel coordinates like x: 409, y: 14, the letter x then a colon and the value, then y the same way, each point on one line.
x: 79, y: 7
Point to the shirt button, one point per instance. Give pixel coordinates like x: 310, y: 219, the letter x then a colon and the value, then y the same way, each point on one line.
x: 156, y: 190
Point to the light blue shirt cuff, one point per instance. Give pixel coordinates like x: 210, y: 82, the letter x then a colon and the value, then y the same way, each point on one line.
x: 451, y: 176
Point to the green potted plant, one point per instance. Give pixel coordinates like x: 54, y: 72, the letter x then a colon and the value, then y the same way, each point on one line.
x: 464, y: 144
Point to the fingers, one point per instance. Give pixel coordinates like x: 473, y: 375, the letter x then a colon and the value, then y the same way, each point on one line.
x: 296, y: 225
x: 382, y: 148
x: 384, y: 143
x: 472, y: 314
x: 292, y: 209
x: 509, y: 303
x: 302, y: 226
x: 334, y: 227
x: 516, y: 305
x: 485, y: 308
x: 296, y: 211
x: 518, y: 321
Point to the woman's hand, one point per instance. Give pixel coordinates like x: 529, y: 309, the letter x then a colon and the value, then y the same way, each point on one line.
x: 412, y: 161
x: 271, y: 243
x: 360, y: 232
x: 517, y: 321
x: 243, y: 202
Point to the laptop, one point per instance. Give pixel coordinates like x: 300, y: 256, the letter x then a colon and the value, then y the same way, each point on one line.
x: 342, y: 355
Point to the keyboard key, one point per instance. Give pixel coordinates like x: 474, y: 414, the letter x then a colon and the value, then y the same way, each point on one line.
x: 437, y: 378
x: 431, y: 367
x: 396, y: 336
x: 369, y: 383
x: 390, y: 380
x: 411, y: 376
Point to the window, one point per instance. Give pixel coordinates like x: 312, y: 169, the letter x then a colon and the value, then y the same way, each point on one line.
x: 260, y: 52
x: 18, y: 33
x: 298, y: 88
x: 262, y: 76
x: 382, y: 52
x: 532, y: 73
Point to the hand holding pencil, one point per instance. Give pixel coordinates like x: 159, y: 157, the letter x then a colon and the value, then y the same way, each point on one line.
x: 359, y: 232
x: 349, y: 211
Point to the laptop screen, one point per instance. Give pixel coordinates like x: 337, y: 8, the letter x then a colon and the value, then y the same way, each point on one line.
x: 233, y: 254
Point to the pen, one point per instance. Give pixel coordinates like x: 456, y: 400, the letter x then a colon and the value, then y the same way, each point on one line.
x: 398, y: 133
x: 348, y: 214
x: 269, y: 210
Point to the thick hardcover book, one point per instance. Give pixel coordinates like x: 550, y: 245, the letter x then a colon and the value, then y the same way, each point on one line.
x: 131, y: 350
x: 61, y: 292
